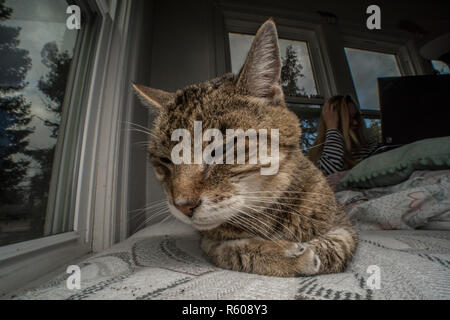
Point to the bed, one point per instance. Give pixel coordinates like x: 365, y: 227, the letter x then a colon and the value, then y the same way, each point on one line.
x: 403, y: 253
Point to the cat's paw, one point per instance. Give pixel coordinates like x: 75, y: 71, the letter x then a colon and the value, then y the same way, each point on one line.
x: 296, y: 250
x: 313, y: 266
x: 306, y: 260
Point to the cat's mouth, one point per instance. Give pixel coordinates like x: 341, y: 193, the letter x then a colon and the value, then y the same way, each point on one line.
x: 197, y: 222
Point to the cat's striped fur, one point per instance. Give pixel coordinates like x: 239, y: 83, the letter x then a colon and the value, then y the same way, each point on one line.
x: 286, y: 224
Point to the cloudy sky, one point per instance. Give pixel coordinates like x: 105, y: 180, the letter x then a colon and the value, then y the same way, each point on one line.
x: 240, y: 45
x: 41, y: 21
x: 366, y: 67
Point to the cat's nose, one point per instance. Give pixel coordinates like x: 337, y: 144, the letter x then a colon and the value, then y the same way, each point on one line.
x: 188, y: 208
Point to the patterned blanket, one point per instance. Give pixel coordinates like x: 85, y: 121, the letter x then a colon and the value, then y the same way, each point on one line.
x: 422, y: 201
x: 165, y: 262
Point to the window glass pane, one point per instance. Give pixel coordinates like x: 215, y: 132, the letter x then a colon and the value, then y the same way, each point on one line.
x: 366, y: 67
x: 309, y: 116
x: 309, y: 120
x: 373, y: 129
x: 36, y: 50
x: 440, y: 66
x: 296, y: 74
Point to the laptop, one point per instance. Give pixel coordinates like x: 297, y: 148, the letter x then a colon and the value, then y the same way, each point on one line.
x: 413, y: 108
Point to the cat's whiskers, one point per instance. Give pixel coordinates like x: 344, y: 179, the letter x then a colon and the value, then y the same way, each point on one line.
x: 146, y: 215
x: 273, y: 219
x: 296, y: 213
x: 141, y: 143
x: 256, y: 219
x: 245, y: 222
x: 289, y: 205
x: 143, y: 211
x: 157, y: 207
x: 138, y: 125
x: 265, y: 233
x: 168, y: 217
x: 306, y: 149
x: 257, y: 231
x: 150, y: 205
x: 244, y: 227
x: 139, y: 128
x: 286, y: 191
x: 142, y: 131
x: 257, y: 234
x: 155, y: 215
x: 318, y: 145
x: 292, y: 198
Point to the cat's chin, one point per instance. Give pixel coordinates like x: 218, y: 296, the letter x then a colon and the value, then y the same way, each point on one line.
x: 205, y: 227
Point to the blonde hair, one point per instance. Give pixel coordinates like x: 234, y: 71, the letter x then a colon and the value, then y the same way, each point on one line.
x: 352, y: 140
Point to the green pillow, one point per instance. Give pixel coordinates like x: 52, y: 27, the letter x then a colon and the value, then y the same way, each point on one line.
x: 395, y: 166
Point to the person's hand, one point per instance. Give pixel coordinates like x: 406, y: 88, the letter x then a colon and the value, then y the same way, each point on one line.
x: 334, y: 179
x: 330, y: 116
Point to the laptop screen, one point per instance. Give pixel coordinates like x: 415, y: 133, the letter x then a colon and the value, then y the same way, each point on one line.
x: 414, y: 108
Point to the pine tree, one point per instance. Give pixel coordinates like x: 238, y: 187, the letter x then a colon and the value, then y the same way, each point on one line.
x: 14, y: 111
x: 291, y: 71
x: 53, y: 85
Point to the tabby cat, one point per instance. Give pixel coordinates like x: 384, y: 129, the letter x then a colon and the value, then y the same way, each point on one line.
x: 286, y: 224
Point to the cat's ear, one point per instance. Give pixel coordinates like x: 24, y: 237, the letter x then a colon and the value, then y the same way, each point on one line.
x: 153, y: 97
x: 261, y: 73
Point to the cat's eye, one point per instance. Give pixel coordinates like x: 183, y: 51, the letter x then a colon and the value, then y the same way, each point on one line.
x: 165, y: 160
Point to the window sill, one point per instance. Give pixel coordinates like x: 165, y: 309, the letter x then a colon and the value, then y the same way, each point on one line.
x: 27, y: 261
x: 16, y: 250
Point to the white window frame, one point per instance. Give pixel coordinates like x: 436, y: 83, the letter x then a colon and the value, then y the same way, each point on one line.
x: 99, y: 203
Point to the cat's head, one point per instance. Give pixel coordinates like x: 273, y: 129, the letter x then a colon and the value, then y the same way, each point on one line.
x: 207, y: 195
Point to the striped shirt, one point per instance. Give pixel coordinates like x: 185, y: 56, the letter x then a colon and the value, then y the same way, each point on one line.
x: 332, y: 157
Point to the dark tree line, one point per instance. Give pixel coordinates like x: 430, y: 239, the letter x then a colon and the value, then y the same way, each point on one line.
x: 14, y: 111
x: 291, y: 71
x: 53, y: 85
x: 23, y: 196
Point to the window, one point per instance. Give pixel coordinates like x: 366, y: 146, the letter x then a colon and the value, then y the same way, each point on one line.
x: 373, y: 129
x: 365, y: 67
x: 296, y: 74
x: 303, y: 91
x: 440, y: 66
x: 309, y: 116
x: 37, y: 51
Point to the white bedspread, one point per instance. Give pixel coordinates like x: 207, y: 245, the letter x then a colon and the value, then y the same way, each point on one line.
x: 165, y: 262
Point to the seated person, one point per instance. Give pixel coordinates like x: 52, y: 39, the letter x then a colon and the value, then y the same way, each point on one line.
x: 342, y: 138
